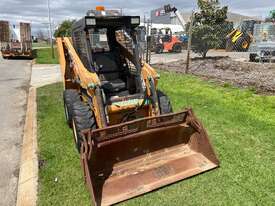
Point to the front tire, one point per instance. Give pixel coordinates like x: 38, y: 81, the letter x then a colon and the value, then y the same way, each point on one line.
x: 229, y: 45
x: 243, y: 44
x: 177, y: 48
x: 70, y: 96
x: 83, y: 118
x: 252, y: 57
x: 159, y: 49
x: 164, y: 103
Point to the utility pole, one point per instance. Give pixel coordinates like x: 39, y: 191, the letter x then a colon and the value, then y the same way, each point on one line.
x: 50, y: 28
x: 189, y: 43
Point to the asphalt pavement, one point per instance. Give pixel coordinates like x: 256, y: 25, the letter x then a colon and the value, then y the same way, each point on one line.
x: 14, y: 84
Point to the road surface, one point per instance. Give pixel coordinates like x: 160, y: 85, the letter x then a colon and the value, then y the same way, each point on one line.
x: 14, y: 84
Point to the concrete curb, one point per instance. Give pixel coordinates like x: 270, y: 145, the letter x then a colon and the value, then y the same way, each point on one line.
x: 28, y: 176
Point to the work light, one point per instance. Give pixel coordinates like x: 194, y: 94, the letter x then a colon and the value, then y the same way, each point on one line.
x: 135, y: 20
x: 90, y: 22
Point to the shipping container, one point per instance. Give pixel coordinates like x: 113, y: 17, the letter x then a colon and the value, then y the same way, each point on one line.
x: 4, y: 31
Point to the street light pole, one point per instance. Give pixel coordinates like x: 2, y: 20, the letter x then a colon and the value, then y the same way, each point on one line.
x: 50, y: 27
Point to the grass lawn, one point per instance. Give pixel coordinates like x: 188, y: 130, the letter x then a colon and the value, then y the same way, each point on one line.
x: 40, y: 44
x: 44, y: 56
x: 241, y: 126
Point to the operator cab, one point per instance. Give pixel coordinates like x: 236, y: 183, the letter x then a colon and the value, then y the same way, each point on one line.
x: 110, y: 49
x: 107, y: 63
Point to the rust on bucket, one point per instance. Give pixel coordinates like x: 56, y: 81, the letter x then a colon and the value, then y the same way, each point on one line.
x: 129, y: 159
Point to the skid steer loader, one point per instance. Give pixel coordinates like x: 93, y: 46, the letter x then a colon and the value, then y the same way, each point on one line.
x: 240, y: 38
x: 130, y: 141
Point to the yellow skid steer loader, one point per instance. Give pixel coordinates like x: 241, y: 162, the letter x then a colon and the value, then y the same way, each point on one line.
x: 129, y: 139
x: 240, y: 38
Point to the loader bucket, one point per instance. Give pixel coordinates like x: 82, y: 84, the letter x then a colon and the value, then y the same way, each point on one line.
x: 129, y: 159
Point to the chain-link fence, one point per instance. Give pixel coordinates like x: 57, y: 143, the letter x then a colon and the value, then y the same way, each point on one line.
x: 252, y: 36
x: 256, y: 38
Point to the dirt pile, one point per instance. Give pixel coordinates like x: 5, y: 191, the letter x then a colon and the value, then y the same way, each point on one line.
x: 258, y: 76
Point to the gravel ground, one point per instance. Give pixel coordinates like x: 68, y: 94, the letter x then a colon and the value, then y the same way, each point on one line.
x: 168, y: 57
x: 257, y: 76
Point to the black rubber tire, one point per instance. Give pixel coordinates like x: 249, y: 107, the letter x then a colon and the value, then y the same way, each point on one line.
x: 252, y: 57
x: 177, y: 48
x: 238, y: 46
x: 70, y: 96
x: 159, y: 49
x: 164, y: 103
x: 229, y: 45
x: 83, y: 118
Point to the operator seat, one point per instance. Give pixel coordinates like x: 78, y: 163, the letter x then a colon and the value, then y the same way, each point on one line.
x: 109, y: 72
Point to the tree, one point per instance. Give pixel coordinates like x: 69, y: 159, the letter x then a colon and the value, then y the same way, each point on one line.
x: 64, y: 29
x: 210, y: 26
x: 40, y: 35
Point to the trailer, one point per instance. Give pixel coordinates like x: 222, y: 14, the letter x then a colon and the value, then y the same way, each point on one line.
x: 15, y: 39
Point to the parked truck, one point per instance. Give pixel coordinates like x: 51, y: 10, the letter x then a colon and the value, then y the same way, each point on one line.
x: 15, y: 39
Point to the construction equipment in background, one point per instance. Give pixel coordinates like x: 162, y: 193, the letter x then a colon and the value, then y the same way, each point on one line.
x: 240, y: 38
x: 129, y: 140
x: 262, y: 48
x: 167, y: 42
x: 183, y: 37
x: 15, y: 40
x: 174, y: 43
x: 168, y: 9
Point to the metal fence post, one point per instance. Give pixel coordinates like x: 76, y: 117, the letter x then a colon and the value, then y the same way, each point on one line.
x: 147, y: 41
x: 189, y: 43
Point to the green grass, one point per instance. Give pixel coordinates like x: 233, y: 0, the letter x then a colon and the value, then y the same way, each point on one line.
x: 241, y: 126
x: 44, y: 56
x: 40, y: 44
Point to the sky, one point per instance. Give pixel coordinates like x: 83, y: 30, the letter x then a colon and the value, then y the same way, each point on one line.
x: 36, y: 12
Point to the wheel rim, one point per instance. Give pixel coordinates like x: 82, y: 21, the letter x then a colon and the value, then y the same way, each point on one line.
x: 74, y: 131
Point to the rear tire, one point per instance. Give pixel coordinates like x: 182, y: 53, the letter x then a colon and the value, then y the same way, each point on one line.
x: 70, y: 96
x: 159, y: 49
x: 242, y: 44
x: 164, y: 103
x: 229, y: 45
x: 83, y: 118
x: 177, y: 48
x: 252, y: 57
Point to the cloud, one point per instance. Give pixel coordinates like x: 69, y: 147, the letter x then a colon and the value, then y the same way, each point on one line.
x: 35, y: 11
